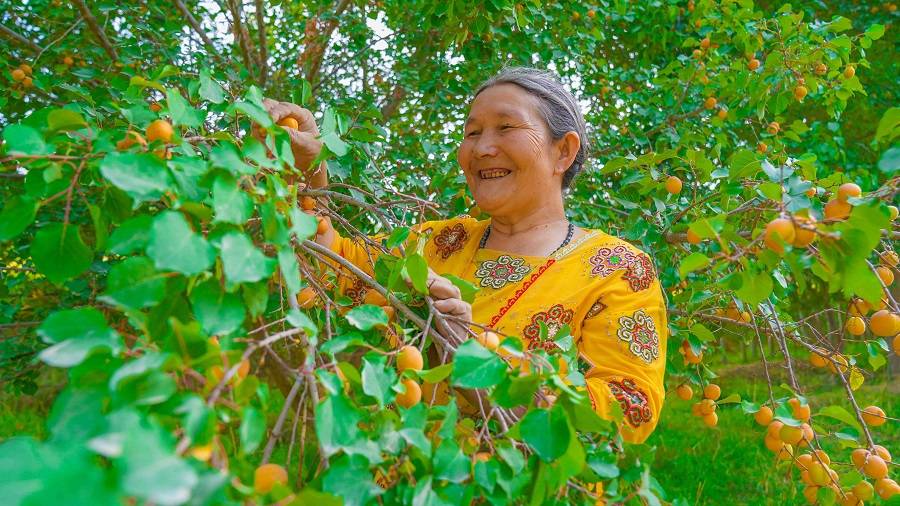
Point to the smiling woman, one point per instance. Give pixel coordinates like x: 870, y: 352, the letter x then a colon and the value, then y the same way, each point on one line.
x: 525, y: 140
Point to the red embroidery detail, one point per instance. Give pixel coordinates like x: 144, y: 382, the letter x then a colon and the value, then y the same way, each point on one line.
x: 633, y: 401
x: 516, y: 296
x: 638, y: 268
x: 639, y: 332
x: 356, y: 291
x: 554, y: 318
x: 451, y: 239
x: 596, y: 308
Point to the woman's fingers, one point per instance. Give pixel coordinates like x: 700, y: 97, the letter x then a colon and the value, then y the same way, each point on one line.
x: 440, y: 287
x: 455, y: 307
x: 280, y: 110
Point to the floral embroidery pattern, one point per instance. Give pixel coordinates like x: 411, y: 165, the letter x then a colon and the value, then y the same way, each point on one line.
x: 451, y: 239
x: 596, y: 308
x: 633, y: 401
x: 638, y: 268
x: 640, y: 334
x: 554, y: 318
x: 356, y: 291
x: 506, y: 269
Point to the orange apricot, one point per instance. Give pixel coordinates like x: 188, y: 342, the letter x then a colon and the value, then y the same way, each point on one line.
x: 764, y: 415
x: 685, y: 392
x: 884, y: 323
x: 160, y: 130
x: 411, y: 396
x: 874, y: 416
x: 267, y: 476
x: 778, y: 232
x: 409, y: 357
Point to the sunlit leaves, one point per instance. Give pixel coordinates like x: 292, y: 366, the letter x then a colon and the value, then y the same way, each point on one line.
x: 142, y: 176
x: 174, y: 246
x: 18, y: 213
x: 547, y: 432
x: 476, y: 367
x: 242, y: 261
x: 74, y: 334
x: 23, y: 140
x: 60, y: 253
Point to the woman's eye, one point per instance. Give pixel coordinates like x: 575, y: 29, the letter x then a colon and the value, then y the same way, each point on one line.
x: 470, y: 134
x: 504, y: 127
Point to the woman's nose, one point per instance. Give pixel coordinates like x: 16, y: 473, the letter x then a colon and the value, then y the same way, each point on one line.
x: 485, y: 146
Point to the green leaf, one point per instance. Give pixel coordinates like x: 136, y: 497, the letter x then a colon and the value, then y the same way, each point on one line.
x: 74, y: 334
x: 337, y: 424
x: 131, y: 236
x: 450, y: 463
x: 242, y: 261
x: 839, y: 24
x: 377, y: 379
x: 888, y: 125
x: 743, y: 164
x: 875, y: 31
x: 23, y: 140
x: 692, y: 262
x: 226, y: 156
x: 142, y: 176
x: 349, y: 478
x: 299, y: 320
x: 134, y: 284
x: 466, y: 289
x: 181, y: 110
x: 702, y: 333
x: 417, y: 268
x: 367, y: 317
x: 547, y: 432
x: 65, y: 119
x: 253, y: 428
x: 151, y: 360
x: 218, y: 312
x: 60, y: 256
x: 210, y: 89
x: 290, y: 270
x: 174, y: 246
x: 303, y: 225
x: 230, y: 203
x: 334, y: 144
x: 18, y: 212
x: 436, y: 374
x: 841, y: 414
x: 889, y: 161
x: 474, y: 366
x: 755, y: 288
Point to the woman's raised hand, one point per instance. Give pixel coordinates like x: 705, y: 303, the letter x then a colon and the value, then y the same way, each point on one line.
x: 304, y: 143
x: 448, y: 300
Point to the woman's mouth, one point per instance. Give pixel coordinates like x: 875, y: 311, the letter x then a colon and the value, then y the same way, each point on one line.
x: 493, y: 173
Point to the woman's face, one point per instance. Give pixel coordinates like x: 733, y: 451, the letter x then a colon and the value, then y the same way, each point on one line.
x: 508, y: 156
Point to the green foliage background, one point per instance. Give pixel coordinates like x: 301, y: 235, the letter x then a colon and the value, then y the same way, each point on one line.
x: 119, y: 264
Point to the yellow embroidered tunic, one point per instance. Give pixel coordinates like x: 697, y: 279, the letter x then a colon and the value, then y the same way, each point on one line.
x: 604, y: 288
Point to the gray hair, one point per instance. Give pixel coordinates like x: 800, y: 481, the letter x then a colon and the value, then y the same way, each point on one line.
x: 556, y: 104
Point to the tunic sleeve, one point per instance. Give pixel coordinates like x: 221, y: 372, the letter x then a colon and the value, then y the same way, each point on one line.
x: 623, y: 339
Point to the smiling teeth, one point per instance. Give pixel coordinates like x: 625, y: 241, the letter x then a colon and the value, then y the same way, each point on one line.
x: 493, y: 173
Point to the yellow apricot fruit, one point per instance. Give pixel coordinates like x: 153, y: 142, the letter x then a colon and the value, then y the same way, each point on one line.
x: 707, y: 406
x: 802, y: 413
x: 790, y: 435
x: 804, y: 231
x: 711, y: 419
x: 18, y: 74
x: 800, y: 92
x: 267, y: 476
x: 837, y: 210
x: 409, y: 357
x: 882, y: 452
x: 874, y: 416
x: 859, y: 307
x: 243, y: 369
x: 685, y: 392
x: 855, y: 326
x: 886, y: 274
x: 886, y: 488
x: 695, y: 409
x: 411, y: 395
x: 159, y: 130
x: 710, y: 102
x: 24, y: 67
x: 489, y: 340
x: 322, y: 226
x: 778, y: 232
x: 821, y: 69
x: 155, y: 107
x: 483, y: 456
x: 390, y: 312
x: 774, y: 429
x: 308, y: 204
x: 307, y: 297
x: 68, y: 61
x: 859, y: 456
x: 803, y: 461
x: 705, y: 43
x: 875, y: 467
x: 818, y: 474
x: 884, y: 323
x: 842, y: 361
x: 773, y: 444
x: 893, y: 212
x: 848, y: 190
x: 773, y: 128
x: 375, y: 298
x: 762, y: 147
x: 849, y: 72
x: 810, y: 493
x: 712, y: 392
x: 864, y: 490
x: 673, y: 185
x: 849, y: 499
x: 289, y: 123
x: 202, y: 452
x: 131, y: 138
x: 817, y: 360
x: 808, y: 435
x: 753, y: 64
x: 764, y: 415
x: 722, y: 114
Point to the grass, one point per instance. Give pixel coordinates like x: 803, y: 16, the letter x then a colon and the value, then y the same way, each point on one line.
x: 729, y: 464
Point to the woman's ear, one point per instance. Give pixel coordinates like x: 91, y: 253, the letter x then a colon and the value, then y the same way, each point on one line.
x: 566, y: 149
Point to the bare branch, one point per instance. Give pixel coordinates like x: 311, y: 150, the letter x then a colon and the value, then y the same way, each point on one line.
x: 98, y: 31
x: 241, y: 36
x: 196, y: 26
x: 263, y: 47
x: 26, y: 43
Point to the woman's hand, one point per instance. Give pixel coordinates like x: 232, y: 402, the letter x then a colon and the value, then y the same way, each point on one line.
x: 304, y: 143
x: 448, y: 300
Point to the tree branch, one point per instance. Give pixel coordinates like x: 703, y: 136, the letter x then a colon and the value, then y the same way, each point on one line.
x: 241, y: 36
x: 317, y: 38
x: 26, y: 43
x: 197, y: 28
x: 98, y: 31
x: 263, y: 47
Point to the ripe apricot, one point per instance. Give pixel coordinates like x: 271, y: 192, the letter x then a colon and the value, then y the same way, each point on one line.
x: 804, y: 231
x: 722, y: 114
x: 489, y: 340
x: 875, y: 467
x: 808, y: 435
x: 712, y: 392
x: 307, y: 203
x: 707, y: 406
x: 592, y: 14
x: 810, y: 493
x: 704, y: 44
x: 837, y: 210
x: 18, y: 74
x: 855, y: 326
x: 753, y: 64
x: 817, y: 360
x: 202, y: 452
x: 390, y: 312
x: 882, y: 452
x: 874, y: 416
x: 848, y: 190
x: 68, y: 61
x: 893, y: 212
x: 26, y: 83
x: 289, y: 123
x: 858, y: 457
x: 322, y: 227
x: 818, y: 474
x: 886, y: 488
x: 698, y: 54
x: 886, y: 275
x: 849, y: 72
x: 267, y: 476
x: 710, y: 102
x: 773, y: 444
x: 804, y: 461
x: 375, y: 298
x: 763, y: 416
x: 773, y: 128
x: 673, y: 185
x: 762, y: 147
x: 243, y: 369
x: 859, y: 307
x: 884, y: 323
x: 800, y: 92
x: 774, y: 429
x: 693, y: 238
x: 411, y: 395
x: 791, y: 435
x: 864, y: 490
x: 779, y: 231
x: 711, y: 419
x: 685, y: 392
x: 159, y: 130
x: 155, y: 107
x: 131, y: 138
x: 409, y: 357
x: 821, y: 69
x: 802, y: 412
x: 842, y: 361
